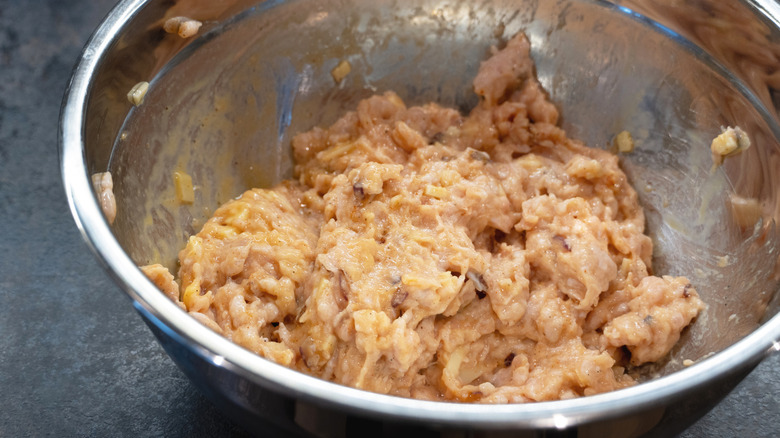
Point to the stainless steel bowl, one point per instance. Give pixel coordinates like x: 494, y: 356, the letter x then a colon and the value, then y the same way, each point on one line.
x: 223, y: 106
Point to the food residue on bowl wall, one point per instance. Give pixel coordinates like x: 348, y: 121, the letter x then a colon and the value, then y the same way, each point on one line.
x: 341, y: 71
x: 182, y: 182
x: 103, y: 185
x: 730, y: 142
x: 137, y: 93
x: 624, y: 142
x: 182, y: 26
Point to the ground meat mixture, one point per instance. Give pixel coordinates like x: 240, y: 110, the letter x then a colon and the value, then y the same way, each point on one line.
x: 422, y: 253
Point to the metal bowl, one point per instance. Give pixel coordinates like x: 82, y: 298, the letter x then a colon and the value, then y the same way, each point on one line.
x: 223, y: 107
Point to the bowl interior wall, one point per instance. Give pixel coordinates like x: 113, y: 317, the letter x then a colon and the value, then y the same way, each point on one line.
x: 225, y: 108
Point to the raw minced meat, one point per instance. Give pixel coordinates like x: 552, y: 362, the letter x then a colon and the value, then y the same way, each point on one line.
x: 423, y: 253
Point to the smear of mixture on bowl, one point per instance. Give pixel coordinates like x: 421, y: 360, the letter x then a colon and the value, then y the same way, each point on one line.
x: 423, y: 253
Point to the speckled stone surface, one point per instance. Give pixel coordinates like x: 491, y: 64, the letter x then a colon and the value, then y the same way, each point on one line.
x: 75, y: 358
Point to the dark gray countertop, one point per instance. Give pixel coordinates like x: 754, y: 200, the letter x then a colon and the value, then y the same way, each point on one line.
x: 75, y: 358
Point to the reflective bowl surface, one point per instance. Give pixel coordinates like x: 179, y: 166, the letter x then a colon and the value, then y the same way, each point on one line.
x: 223, y: 106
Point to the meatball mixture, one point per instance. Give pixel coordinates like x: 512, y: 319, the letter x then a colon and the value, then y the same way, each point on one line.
x: 423, y: 253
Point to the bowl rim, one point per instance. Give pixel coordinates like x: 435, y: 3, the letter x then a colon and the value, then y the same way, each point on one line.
x: 220, y: 352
